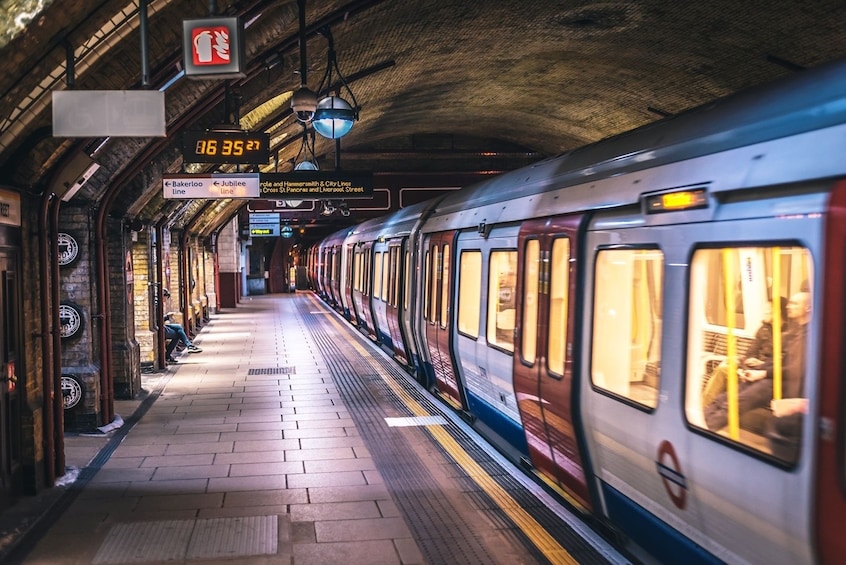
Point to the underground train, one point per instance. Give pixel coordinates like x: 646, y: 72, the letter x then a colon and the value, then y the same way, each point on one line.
x: 592, y: 312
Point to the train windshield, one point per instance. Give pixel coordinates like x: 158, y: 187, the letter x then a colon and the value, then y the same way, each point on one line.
x: 747, y: 335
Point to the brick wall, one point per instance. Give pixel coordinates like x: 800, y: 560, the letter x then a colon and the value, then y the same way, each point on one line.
x: 144, y: 275
x: 80, y: 352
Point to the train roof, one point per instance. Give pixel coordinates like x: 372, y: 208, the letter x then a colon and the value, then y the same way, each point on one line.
x: 809, y: 100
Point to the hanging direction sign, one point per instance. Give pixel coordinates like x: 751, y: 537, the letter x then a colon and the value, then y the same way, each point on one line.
x: 214, y: 186
x: 265, y: 217
x: 316, y: 184
x: 264, y: 230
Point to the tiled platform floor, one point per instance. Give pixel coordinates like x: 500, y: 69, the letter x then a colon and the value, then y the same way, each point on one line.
x: 248, y: 455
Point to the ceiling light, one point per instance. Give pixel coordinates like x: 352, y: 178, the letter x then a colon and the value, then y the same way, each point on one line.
x: 334, y: 116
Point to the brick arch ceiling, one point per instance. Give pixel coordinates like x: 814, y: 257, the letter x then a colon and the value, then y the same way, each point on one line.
x: 464, y: 77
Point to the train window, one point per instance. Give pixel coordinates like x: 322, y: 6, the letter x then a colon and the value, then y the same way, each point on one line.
x: 433, y: 284
x: 366, y: 290
x: 444, y: 317
x: 407, y: 278
x: 745, y: 379
x: 626, y: 357
x: 502, y: 279
x: 427, y: 273
x: 558, y: 293
x: 529, y: 330
x: 386, y: 273
x: 469, y: 292
x: 358, y: 271
x: 377, y: 275
x: 395, y: 276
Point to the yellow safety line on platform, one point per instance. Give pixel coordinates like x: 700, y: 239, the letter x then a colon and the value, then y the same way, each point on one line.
x: 538, y: 535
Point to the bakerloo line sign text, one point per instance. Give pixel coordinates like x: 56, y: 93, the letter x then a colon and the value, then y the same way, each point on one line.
x: 299, y: 184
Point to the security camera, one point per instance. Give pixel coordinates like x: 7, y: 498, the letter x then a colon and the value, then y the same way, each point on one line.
x: 304, y: 104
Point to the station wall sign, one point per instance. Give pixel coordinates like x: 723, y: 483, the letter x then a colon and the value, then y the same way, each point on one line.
x: 316, y: 185
x: 213, y: 186
x: 213, y: 48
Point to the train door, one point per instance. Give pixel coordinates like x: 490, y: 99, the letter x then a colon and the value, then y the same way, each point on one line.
x: 483, y: 333
x: 356, y: 284
x: 367, y: 277
x: 349, y: 266
x: 436, y: 313
x: 394, y: 301
x: 406, y: 310
x: 381, y: 285
x: 337, y: 273
x: 543, y: 369
x: 830, y: 497
x: 11, y: 470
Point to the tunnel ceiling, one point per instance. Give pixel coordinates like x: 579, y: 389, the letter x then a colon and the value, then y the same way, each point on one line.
x: 443, y: 86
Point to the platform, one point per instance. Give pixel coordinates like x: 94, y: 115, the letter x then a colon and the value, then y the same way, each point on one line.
x: 293, y: 439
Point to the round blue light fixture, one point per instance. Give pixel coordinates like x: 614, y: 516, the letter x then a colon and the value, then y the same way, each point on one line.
x: 334, y: 117
x: 306, y: 166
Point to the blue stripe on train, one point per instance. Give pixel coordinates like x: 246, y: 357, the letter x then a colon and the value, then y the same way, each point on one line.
x: 508, y: 429
x: 660, y: 540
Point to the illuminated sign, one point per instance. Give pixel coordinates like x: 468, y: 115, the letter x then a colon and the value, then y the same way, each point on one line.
x: 677, y: 201
x: 214, y: 186
x: 316, y: 184
x: 265, y: 217
x: 234, y: 147
x: 213, y: 48
x: 264, y: 230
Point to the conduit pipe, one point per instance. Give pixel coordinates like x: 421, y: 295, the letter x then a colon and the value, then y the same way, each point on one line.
x: 47, y: 327
x: 160, y: 336
x: 58, y: 404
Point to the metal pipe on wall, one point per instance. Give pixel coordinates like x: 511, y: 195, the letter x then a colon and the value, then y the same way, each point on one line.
x: 58, y: 404
x: 48, y: 437
x: 160, y: 337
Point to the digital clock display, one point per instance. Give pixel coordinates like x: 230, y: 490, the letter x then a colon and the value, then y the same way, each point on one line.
x: 250, y: 148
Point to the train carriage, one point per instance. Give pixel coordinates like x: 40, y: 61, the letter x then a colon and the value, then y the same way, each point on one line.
x: 600, y: 315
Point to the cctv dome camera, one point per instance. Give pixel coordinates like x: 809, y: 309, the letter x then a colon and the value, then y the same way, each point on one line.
x: 304, y: 104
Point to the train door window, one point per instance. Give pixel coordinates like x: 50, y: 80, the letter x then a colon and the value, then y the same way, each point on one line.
x: 502, y: 279
x: 444, y: 316
x: 626, y: 356
x: 427, y: 273
x: 367, y: 274
x: 395, y: 276
x: 469, y: 292
x: 356, y: 271
x: 407, y: 278
x: 365, y: 265
x: 559, y: 290
x: 529, y: 330
x: 386, y: 276
x: 433, y: 292
x: 746, y: 367
x: 377, y: 275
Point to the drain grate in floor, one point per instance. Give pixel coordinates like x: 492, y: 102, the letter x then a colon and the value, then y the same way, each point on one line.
x: 273, y: 371
x: 173, y: 540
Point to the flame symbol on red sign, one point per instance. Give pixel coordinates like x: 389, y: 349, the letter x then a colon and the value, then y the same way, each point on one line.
x: 210, y: 45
